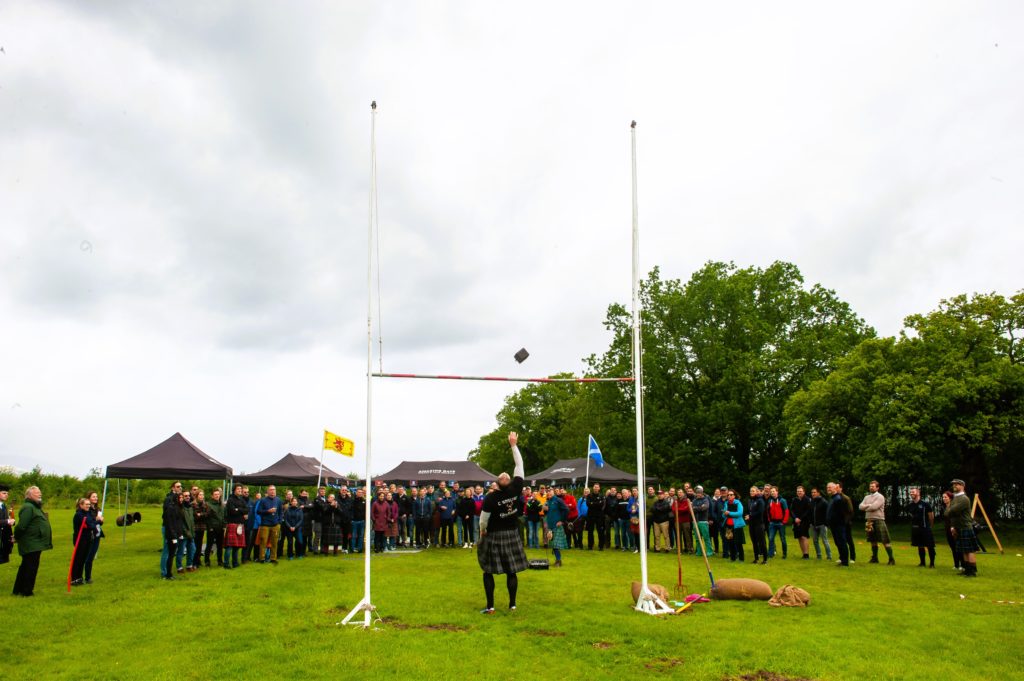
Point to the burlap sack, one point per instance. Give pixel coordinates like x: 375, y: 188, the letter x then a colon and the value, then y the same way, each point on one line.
x: 656, y: 589
x: 741, y: 590
x: 790, y: 596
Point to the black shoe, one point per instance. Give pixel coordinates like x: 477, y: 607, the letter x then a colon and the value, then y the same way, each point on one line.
x: 806, y: 557
x: 892, y: 561
x: 754, y: 562
x: 921, y: 564
x: 873, y: 560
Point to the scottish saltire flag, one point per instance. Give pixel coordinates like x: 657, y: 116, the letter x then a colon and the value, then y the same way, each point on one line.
x: 595, y: 452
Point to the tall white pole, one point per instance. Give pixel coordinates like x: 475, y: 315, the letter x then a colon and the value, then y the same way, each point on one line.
x: 647, y: 601
x: 586, y: 481
x: 366, y: 605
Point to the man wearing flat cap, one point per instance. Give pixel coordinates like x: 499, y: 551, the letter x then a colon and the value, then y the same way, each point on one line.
x: 962, y: 527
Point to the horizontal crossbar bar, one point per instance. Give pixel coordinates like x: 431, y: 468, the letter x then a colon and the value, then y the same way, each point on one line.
x: 597, y: 379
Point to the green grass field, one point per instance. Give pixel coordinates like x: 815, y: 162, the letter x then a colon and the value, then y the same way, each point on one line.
x: 263, y: 621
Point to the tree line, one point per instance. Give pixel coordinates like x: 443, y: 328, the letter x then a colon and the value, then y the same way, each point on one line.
x: 752, y: 376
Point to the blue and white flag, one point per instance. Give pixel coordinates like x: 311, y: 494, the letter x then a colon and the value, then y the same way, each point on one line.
x: 595, y: 452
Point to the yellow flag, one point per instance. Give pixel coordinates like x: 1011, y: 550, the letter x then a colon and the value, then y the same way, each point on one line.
x: 336, y: 443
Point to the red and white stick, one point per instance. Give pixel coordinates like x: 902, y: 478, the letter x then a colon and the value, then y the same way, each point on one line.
x: 599, y: 379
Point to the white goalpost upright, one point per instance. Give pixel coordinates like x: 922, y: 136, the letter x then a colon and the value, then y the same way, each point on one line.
x: 365, y: 606
x: 647, y: 601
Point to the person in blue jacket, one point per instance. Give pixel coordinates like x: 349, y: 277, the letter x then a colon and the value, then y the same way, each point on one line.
x: 734, y: 525
x: 556, y: 515
x: 446, y: 508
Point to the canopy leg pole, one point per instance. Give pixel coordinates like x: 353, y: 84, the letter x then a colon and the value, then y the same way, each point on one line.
x: 103, y: 503
x: 124, y: 527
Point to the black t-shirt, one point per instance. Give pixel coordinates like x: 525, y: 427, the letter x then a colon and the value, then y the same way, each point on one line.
x: 505, y: 506
x: 919, y: 513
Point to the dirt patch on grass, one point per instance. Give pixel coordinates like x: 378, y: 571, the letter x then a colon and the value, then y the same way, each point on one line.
x: 337, y: 610
x: 602, y: 645
x: 664, y: 664
x: 442, y: 627
x: 546, y: 632
x: 764, y: 675
x: 395, y: 624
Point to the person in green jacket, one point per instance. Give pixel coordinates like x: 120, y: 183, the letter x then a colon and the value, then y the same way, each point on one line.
x: 961, y: 522
x: 34, y: 535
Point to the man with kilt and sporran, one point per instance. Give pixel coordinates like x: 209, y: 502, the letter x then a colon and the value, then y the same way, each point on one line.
x: 922, y: 518
x: 500, y: 549
x: 962, y: 527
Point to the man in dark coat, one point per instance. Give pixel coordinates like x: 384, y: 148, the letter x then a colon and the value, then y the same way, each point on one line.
x: 34, y: 535
x: 173, y: 526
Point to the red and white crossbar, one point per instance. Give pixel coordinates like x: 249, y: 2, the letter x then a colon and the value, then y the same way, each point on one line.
x: 598, y: 379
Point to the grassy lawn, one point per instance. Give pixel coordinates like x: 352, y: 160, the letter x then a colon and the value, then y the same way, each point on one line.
x: 865, y: 622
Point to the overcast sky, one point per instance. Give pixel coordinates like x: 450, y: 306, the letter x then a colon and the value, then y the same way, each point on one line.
x: 184, y: 198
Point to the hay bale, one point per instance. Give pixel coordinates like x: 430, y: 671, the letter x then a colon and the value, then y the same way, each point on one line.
x: 656, y: 589
x: 741, y: 590
x: 791, y: 597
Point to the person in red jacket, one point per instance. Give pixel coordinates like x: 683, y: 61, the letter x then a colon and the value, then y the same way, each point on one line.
x: 573, y: 535
x: 778, y: 518
x: 684, y: 524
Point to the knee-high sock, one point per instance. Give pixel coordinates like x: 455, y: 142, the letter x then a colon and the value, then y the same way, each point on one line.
x: 512, y: 582
x: 489, y: 588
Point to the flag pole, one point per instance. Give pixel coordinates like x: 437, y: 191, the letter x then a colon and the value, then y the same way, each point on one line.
x: 366, y: 606
x: 321, y: 473
x: 647, y: 602
x: 586, y: 481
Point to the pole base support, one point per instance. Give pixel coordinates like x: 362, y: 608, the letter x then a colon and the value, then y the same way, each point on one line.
x: 369, y: 611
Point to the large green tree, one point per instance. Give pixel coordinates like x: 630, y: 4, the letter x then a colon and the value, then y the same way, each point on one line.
x: 722, y: 354
x: 946, y: 398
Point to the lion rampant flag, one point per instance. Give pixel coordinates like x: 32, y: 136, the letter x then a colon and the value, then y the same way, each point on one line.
x: 336, y: 443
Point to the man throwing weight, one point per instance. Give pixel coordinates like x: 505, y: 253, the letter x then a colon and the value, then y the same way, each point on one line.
x: 500, y: 549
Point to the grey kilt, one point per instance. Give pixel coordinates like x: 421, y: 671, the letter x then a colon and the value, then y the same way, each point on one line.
x: 967, y: 541
x: 501, y: 549
x: 921, y: 536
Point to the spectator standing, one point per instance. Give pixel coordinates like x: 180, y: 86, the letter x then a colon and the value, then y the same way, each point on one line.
x: 319, y: 504
x: 701, y: 506
x: 97, y: 535
x: 466, y: 510
x: 331, y: 524
x: 82, y: 527
x: 292, y: 524
x: 446, y: 507
x: 734, y: 525
x: 270, y: 512
x: 6, y: 526
x: 200, y: 511
x: 216, y: 508
x: 33, y: 535
x: 252, y: 526
x: 235, y: 514
x: 423, y: 511
x: 819, y: 526
x: 172, y: 525
x: 958, y: 559
x: 595, y: 518
x: 873, y: 506
x: 556, y: 515
x: 838, y: 521
x: 306, y: 504
x: 778, y: 518
x: 661, y: 511
x: 962, y: 526
x: 800, y: 512
x: 850, y: 545
x: 718, y: 516
x: 391, y: 533
x: 359, y: 521
x: 755, y: 521
x: 187, y: 546
x: 681, y: 514
x: 922, y: 519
